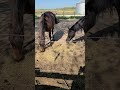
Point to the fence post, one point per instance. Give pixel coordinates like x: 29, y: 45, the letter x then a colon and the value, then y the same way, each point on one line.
x: 63, y: 12
x: 74, y: 14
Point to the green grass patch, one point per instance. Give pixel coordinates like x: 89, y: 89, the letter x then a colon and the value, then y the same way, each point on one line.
x: 71, y: 17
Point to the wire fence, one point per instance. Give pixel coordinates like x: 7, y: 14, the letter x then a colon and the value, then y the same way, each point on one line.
x: 84, y: 37
x: 61, y: 13
x: 102, y: 38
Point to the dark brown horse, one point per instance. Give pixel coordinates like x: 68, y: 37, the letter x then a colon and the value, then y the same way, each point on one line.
x: 73, y: 29
x: 92, y: 9
x: 16, y: 35
x: 46, y: 24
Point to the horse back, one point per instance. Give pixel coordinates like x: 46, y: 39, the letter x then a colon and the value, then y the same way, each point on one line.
x: 50, y: 20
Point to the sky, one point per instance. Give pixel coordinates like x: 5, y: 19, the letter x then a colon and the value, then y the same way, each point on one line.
x: 52, y: 4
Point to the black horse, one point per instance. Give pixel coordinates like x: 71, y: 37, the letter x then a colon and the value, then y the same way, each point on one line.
x: 77, y: 26
x: 46, y: 24
x: 92, y: 9
x: 16, y: 35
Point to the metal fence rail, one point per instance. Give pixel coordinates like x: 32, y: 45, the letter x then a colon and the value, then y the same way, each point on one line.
x: 83, y: 37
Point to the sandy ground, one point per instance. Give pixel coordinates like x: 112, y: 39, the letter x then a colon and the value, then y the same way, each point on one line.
x: 61, y: 57
x: 101, y: 57
x: 13, y: 73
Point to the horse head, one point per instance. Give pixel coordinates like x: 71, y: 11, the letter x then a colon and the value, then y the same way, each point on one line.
x: 71, y: 34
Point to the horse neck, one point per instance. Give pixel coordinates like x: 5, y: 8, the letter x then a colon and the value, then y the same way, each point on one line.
x: 76, y: 26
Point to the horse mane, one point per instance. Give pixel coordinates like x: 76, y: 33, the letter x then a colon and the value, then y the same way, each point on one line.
x: 76, y: 26
x: 18, y: 10
x: 101, y: 6
x: 98, y: 7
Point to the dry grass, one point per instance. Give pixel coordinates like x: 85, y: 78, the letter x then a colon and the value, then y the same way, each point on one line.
x: 61, y: 57
x: 62, y: 11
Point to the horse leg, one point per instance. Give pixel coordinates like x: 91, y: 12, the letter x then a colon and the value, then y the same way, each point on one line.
x: 16, y: 29
x: 42, y: 40
x: 50, y: 36
x: 53, y: 39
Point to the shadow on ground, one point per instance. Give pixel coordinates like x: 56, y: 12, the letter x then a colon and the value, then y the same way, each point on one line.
x: 77, y: 84
x: 46, y: 87
x: 58, y: 35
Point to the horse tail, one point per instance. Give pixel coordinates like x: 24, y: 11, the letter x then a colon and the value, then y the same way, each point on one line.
x: 42, y: 28
x: 56, y: 20
x: 43, y: 21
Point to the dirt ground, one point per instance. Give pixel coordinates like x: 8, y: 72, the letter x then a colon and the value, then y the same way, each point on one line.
x: 61, y: 58
x: 12, y: 73
x: 102, y: 57
x: 60, y: 63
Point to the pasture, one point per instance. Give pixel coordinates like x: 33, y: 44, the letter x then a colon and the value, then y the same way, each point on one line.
x: 58, y: 11
x: 61, y: 13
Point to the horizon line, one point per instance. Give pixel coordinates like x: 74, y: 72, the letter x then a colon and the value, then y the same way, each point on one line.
x: 56, y: 8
